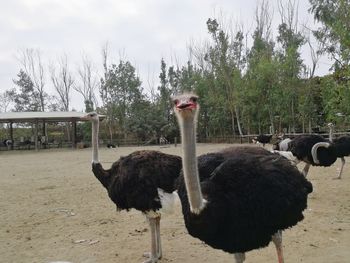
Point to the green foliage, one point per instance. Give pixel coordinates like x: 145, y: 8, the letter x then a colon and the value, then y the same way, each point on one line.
x: 26, y: 99
x: 119, y: 91
x: 335, y: 32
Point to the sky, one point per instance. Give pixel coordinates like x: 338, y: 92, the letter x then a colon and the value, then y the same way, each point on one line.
x: 141, y: 31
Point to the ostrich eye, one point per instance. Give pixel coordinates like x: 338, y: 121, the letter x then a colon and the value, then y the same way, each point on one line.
x: 176, y: 101
x: 194, y: 99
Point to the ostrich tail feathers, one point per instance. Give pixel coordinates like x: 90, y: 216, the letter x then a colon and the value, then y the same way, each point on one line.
x: 169, y: 201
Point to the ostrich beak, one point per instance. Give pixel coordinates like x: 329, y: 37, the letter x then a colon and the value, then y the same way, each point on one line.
x: 84, y: 118
x: 186, y: 105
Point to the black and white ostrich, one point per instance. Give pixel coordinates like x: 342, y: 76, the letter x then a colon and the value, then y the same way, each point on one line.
x: 8, y: 143
x: 313, y: 150
x: 342, y: 147
x: 143, y: 180
x: 238, y: 199
x: 262, y: 138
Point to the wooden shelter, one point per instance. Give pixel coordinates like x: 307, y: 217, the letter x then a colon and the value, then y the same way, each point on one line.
x: 42, y: 117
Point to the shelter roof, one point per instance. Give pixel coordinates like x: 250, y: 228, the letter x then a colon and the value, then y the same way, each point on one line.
x: 55, y: 116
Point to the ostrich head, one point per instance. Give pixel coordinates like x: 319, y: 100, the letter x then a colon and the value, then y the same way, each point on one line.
x: 186, y: 106
x: 91, y: 116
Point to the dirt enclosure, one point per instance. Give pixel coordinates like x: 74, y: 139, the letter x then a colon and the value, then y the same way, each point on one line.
x: 53, y: 209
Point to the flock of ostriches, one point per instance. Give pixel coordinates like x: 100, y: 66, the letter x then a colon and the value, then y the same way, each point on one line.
x: 236, y: 200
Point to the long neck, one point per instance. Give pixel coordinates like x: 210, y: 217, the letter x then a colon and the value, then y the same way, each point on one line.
x: 94, y: 141
x: 331, y: 134
x: 190, y: 168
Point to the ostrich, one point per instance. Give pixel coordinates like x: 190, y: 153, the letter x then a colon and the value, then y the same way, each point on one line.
x: 143, y: 180
x: 342, y: 147
x: 262, y: 138
x: 313, y: 150
x: 111, y: 145
x: 238, y: 199
x: 8, y: 143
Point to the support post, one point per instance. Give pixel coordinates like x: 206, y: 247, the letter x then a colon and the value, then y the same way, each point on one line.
x: 44, y: 135
x: 74, y: 135
x: 11, y: 135
x: 36, y: 135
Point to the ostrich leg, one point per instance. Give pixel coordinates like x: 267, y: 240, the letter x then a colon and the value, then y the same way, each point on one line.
x: 277, y: 240
x: 159, y: 245
x: 341, y: 168
x: 306, y: 170
x: 153, y: 258
x: 239, y: 257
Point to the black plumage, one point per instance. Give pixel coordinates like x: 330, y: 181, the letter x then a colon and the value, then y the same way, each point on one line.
x: 111, y: 145
x: 133, y: 180
x: 251, y: 195
x: 342, y: 146
x: 238, y: 199
x: 263, y: 138
x: 301, y: 148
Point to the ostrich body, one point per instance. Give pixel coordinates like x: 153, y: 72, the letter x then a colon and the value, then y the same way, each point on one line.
x: 143, y: 180
x: 342, y: 148
x: 262, y: 138
x: 282, y: 145
x: 313, y: 150
x: 238, y: 199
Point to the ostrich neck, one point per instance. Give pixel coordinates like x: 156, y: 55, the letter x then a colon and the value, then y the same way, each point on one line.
x: 190, y: 168
x: 94, y: 141
x: 331, y: 134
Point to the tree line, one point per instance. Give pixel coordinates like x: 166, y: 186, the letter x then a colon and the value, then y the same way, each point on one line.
x: 262, y: 87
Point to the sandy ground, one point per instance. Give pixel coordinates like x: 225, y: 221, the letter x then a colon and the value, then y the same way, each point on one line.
x: 52, y: 208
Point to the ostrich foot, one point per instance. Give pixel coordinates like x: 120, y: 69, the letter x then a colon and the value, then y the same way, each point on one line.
x: 339, y: 174
x: 150, y: 259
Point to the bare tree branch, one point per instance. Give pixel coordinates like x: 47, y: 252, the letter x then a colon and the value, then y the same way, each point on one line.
x: 33, y: 67
x: 88, y: 82
x: 63, y: 82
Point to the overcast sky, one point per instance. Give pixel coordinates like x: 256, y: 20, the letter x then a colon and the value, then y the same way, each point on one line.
x: 143, y: 30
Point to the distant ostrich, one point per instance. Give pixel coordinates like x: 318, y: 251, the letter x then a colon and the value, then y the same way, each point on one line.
x: 313, y: 150
x: 238, y: 199
x: 8, y: 143
x: 111, y: 145
x: 342, y: 146
x: 262, y: 138
x: 143, y: 180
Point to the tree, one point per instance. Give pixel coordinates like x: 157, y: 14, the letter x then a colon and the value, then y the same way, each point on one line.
x: 33, y: 67
x: 87, y: 84
x: 335, y: 31
x: 119, y: 91
x: 291, y: 64
x: 165, y: 92
x: 225, y: 59
x: 6, y: 98
x: 261, y: 73
x: 62, y: 80
x: 27, y: 99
